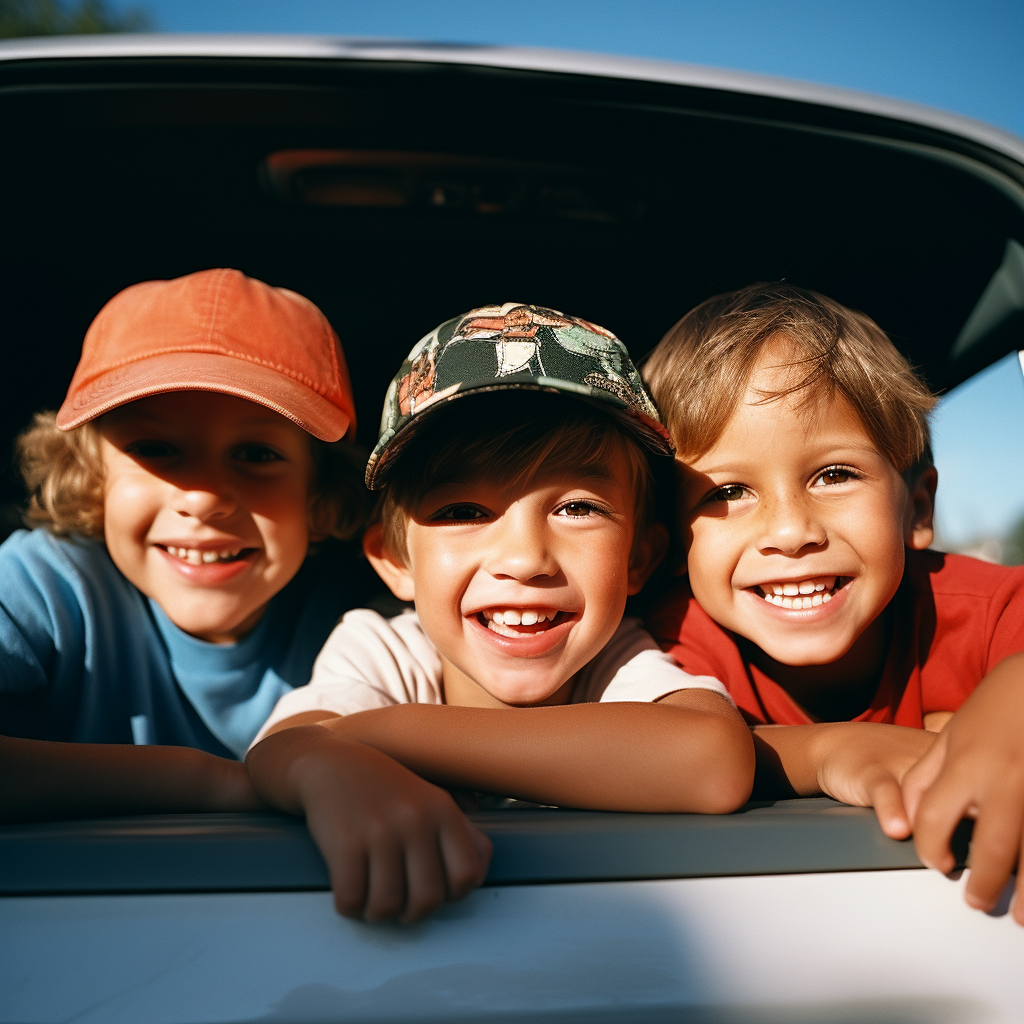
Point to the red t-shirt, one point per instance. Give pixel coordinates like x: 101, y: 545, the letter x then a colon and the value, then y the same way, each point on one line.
x: 954, y: 620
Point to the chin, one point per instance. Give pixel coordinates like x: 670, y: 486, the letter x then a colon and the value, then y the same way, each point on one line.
x: 521, y: 696
x: 804, y: 656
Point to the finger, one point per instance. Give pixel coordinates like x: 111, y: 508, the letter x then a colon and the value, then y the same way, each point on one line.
x: 941, y: 809
x: 386, y: 892
x: 995, y: 849
x: 467, y: 854
x: 484, y: 849
x: 922, y: 776
x: 426, y: 884
x: 887, y: 801
x: 348, y: 871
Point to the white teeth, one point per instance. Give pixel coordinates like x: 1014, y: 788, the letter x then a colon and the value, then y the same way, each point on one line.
x: 501, y: 629
x: 500, y: 620
x: 196, y: 557
x: 805, y: 587
x: 797, y: 603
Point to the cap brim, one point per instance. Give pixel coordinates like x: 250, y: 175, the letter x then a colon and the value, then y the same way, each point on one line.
x: 384, y: 455
x: 207, y: 371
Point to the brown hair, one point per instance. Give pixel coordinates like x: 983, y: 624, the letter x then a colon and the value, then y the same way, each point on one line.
x: 510, y: 436
x: 701, y: 369
x: 63, y: 473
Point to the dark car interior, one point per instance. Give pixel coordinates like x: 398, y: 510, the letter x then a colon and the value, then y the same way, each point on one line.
x: 397, y: 195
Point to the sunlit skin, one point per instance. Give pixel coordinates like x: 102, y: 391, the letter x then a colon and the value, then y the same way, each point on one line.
x: 197, y: 471
x: 559, y: 544
x: 793, y: 494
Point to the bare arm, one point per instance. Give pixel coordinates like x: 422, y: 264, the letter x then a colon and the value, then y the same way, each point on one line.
x: 689, y: 752
x: 860, y: 763
x: 42, y: 779
x: 976, y: 770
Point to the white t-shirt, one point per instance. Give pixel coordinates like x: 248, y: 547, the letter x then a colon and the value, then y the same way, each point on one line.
x: 373, y: 662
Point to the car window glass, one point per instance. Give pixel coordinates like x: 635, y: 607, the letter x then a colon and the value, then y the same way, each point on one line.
x: 978, y: 437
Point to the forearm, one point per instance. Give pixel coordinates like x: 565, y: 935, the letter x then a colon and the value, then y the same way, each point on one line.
x: 995, y: 707
x: 612, y: 756
x: 841, y: 759
x: 43, y: 779
x: 788, y: 759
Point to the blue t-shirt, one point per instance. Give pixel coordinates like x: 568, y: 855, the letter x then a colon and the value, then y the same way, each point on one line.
x: 85, y: 656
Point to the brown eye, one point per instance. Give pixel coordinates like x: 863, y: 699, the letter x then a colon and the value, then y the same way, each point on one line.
x: 459, y: 514
x: 835, y: 475
x: 151, y: 449
x: 256, y: 453
x: 731, y: 492
x: 578, y: 509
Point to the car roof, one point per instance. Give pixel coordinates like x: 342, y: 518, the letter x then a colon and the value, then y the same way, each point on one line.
x: 522, y: 58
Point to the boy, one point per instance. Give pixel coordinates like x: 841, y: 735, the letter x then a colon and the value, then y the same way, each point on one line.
x: 168, y: 599
x: 806, y: 493
x: 517, y: 516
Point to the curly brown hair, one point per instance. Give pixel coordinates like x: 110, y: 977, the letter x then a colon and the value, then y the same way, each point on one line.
x: 63, y: 473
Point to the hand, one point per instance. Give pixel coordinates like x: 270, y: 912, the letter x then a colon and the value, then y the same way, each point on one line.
x: 864, y: 765
x: 396, y: 846
x: 976, y: 770
x: 860, y: 763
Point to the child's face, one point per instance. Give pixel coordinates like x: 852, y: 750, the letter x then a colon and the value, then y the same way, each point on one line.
x: 800, y: 506
x: 518, y: 587
x: 206, y: 506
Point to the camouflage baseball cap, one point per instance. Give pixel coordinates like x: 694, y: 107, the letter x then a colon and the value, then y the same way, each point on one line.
x: 515, y: 345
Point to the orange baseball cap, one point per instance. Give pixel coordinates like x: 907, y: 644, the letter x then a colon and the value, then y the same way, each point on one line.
x: 216, y: 330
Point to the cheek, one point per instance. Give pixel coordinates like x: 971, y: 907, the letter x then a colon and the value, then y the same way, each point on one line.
x: 708, y: 557
x: 129, y: 507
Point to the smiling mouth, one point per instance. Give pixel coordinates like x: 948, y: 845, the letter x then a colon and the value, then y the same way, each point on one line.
x: 195, y: 556
x: 809, y: 593
x: 516, y: 622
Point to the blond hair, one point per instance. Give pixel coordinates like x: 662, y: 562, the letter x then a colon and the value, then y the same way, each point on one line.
x: 63, y: 473
x: 510, y: 437
x: 701, y: 369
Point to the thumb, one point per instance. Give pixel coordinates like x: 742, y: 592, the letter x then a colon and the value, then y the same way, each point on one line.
x: 887, y: 800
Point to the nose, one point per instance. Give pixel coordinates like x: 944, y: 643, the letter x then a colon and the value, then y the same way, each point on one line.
x: 206, y: 499
x: 789, y: 525
x: 519, y: 547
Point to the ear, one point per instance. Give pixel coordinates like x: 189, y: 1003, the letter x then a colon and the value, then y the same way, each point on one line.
x: 918, y: 526
x: 647, y: 553
x: 394, y: 572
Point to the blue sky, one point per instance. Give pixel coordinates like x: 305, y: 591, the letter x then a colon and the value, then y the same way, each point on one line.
x: 965, y: 57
